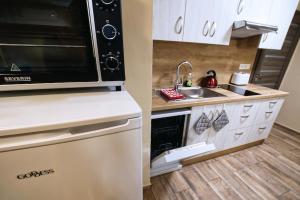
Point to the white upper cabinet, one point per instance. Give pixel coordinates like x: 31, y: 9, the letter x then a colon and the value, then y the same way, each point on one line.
x: 281, y: 15
x: 253, y: 10
x: 168, y: 19
x: 209, y: 21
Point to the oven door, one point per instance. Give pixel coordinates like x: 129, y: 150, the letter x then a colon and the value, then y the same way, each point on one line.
x: 46, y: 43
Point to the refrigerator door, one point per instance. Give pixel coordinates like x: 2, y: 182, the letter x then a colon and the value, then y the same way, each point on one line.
x: 92, y: 162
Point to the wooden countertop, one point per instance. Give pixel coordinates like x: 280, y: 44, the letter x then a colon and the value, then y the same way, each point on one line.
x: 160, y: 104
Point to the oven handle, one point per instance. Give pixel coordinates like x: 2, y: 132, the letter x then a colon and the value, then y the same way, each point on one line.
x: 15, y: 142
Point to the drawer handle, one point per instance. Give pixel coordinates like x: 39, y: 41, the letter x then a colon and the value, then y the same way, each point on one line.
x: 268, y: 114
x: 262, y: 129
x: 241, y: 133
x: 248, y: 106
x: 272, y: 104
x: 245, y: 117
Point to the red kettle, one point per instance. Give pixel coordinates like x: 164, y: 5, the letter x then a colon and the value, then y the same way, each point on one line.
x: 211, y: 79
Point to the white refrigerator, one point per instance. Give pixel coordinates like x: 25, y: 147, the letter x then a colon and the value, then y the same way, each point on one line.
x: 82, y: 146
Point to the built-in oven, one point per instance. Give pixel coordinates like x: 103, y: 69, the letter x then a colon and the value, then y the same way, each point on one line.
x: 60, y: 44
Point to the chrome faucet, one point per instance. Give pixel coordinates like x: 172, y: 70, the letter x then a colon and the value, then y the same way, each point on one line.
x: 178, y: 82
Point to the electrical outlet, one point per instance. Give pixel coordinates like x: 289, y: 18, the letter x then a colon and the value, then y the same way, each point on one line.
x: 245, y: 66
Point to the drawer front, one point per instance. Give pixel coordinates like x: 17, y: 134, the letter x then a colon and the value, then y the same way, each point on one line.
x: 268, y: 111
x: 236, y: 137
x: 243, y: 114
x: 259, y: 132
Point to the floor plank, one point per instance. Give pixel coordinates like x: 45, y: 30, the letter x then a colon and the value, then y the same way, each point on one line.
x: 267, y: 171
x: 201, y: 188
x: 223, y: 189
x: 234, y: 181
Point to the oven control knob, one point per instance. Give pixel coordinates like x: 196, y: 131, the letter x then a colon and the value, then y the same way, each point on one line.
x: 107, y: 2
x: 109, y: 32
x: 112, y: 63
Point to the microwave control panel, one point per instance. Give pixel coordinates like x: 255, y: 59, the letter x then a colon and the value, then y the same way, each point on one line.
x: 108, y: 24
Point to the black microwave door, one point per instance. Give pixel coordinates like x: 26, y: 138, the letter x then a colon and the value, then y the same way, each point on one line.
x: 45, y: 41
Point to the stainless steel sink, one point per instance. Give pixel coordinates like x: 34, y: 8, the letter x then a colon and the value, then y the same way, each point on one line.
x: 198, y: 93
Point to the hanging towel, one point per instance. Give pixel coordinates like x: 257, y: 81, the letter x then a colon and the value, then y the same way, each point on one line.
x: 202, y: 124
x: 221, y: 121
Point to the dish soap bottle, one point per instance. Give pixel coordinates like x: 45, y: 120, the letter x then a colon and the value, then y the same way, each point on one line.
x: 189, y: 81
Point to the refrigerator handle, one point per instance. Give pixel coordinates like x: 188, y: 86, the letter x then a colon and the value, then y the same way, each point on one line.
x: 14, y: 142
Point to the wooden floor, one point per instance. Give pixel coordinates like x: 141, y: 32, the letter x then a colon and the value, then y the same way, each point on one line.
x: 267, y: 171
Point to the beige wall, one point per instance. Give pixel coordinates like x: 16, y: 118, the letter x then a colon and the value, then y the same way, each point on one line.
x: 298, y: 8
x: 290, y: 113
x: 137, y: 25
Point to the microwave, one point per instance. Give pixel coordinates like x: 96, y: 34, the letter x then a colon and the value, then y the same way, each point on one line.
x: 48, y: 44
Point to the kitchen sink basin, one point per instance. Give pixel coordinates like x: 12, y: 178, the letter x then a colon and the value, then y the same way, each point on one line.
x: 198, y: 93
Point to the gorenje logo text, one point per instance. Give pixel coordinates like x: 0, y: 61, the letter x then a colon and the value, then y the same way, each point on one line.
x: 35, y: 174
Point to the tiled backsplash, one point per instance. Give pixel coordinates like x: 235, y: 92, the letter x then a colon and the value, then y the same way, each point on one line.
x: 223, y: 59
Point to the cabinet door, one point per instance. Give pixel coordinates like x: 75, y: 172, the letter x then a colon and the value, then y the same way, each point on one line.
x: 253, y: 10
x: 168, y: 19
x: 198, y: 19
x: 210, y: 136
x: 209, y: 21
x: 281, y: 15
x: 218, y: 138
x: 192, y: 136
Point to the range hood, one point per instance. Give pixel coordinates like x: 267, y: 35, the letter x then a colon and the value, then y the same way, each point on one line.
x: 244, y: 29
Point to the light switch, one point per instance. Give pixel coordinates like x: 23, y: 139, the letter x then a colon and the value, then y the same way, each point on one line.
x: 245, y: 66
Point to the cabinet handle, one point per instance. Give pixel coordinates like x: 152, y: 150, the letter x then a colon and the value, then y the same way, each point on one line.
x: 180, y: 19
x: 206, y: 28
x: 245, y: 117
x: 240, y: 7
x: 272, y: 104
x: 214, y: 28
x: 260, y: 130
x: 248, y: 106
x: 268, y: 114
x: 265, y: 37
x: 241, y: 133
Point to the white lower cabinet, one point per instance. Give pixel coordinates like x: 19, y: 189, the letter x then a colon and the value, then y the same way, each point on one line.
x: 249, y: 121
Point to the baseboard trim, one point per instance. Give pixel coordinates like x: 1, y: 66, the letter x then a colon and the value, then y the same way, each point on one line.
x: 146, y: 187
x: 219, y: 153
x: 285, y: 129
